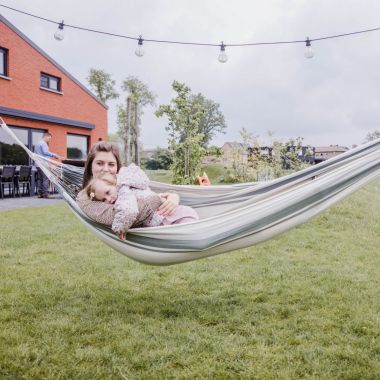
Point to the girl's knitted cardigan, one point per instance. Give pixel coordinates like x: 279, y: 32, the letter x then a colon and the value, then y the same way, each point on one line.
x: 132, y: 192
x: 138, y: 183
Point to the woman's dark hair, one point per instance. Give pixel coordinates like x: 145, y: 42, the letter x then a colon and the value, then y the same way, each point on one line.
x: 100, y: 146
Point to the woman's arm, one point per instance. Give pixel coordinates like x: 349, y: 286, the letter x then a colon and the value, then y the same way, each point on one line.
x: 170, y: 201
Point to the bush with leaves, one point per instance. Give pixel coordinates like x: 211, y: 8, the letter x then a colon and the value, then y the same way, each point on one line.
x: 161, y: 159
x: 372, y: 135
x: 250, y: 163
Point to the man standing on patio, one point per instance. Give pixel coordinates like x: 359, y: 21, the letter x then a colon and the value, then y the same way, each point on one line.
x: 42, y: 149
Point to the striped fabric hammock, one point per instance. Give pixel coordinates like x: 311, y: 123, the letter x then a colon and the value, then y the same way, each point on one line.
x: 232, y: 217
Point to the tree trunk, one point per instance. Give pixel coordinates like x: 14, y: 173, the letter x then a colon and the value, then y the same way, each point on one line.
x: 186, y: 160
x: 127, y: 132
x: 132, y: 133
x: 187, y: 155
x: 137, y: 136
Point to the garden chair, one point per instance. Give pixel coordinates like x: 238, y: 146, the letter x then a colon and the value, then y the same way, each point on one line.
x: 7, y: 178
x: 24, y: 179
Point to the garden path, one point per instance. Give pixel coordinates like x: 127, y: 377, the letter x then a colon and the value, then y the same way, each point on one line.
x: 25, y: 202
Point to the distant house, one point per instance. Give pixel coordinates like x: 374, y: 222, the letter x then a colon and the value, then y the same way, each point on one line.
x: 323, y: 153
x: 38, y: 95
x: 234, y: 151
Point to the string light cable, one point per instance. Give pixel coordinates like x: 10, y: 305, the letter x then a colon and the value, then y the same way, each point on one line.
x: 222, y: 57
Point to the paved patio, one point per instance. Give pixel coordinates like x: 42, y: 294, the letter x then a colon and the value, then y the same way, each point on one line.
x: 24, y: 202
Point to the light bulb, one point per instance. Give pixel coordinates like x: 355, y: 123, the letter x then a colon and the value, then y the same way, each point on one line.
x: 139, y: 50
x: 223, y: 57
x: 309, y: 53
x: 59, y: 35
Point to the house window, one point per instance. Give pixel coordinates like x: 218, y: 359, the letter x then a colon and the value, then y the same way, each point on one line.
x: 10, y: 152
x: 36, y: 137
x: 50, y: 82
x: 3, y: 62
x: 77, y: 147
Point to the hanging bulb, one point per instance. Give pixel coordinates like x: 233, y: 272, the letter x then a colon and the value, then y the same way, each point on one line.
x: 223, y: 57
x: 309, y: 53
x: 58, y: 35
x: 139, y: 50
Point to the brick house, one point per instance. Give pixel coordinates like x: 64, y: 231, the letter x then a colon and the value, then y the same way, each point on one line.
x: 323, y: 153
x: 37, y: 95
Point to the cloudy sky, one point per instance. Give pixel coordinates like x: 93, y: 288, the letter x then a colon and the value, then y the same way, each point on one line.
x: 333, y: 98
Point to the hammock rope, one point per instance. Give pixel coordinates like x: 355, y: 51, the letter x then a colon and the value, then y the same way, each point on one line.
x: 232, y: 216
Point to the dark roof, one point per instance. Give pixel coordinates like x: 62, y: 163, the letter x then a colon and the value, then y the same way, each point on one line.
x: 43, y: 117
x: 34, y: 46
x: 331, y: 148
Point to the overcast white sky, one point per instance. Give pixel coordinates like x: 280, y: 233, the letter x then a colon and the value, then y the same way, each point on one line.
x: 333, y: 98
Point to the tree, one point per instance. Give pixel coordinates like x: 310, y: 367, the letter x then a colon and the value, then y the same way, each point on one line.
x: 215, y: 151
x: 290, y: 153
x: 116, y: 139
x: 161, y: 159
x: 212, y: 121
x: 102, y: 84
x: 372, y: 135
x: 184, y: 137
x: 123, y: 121
x: 251, y: 161
x: 129, y: 116
x: 246, y: 158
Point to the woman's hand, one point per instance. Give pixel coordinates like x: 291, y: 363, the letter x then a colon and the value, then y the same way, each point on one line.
x: 170, y: 201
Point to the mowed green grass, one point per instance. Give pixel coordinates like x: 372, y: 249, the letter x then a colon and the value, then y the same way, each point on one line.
x: 159, y: 175
x: 214, y: 172
x: 305, y: 305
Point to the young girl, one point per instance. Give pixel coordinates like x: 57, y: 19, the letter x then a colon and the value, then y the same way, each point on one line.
x: 134, y: 202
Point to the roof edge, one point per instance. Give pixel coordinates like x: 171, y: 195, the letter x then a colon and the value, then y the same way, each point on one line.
x: 45, y: 118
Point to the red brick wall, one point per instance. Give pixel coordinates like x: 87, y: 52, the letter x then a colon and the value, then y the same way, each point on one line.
x: 23, y: 92
x: 58, y: 143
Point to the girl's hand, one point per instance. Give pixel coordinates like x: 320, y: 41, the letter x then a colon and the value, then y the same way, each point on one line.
x: 122, y: 235
x: 170, y: 201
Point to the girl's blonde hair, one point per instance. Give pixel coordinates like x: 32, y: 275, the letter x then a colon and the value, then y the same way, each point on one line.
x: 108, y: 178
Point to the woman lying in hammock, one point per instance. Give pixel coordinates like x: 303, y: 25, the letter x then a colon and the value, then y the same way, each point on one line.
x: 128, y: 191
x: 104, y: 158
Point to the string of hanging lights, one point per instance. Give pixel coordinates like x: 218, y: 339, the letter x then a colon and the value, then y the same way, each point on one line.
x: 222, y: 57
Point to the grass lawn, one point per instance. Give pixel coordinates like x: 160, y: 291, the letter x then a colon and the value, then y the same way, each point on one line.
x: 159, y: 175
x: 305, y: 305
x: 214, y: 172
